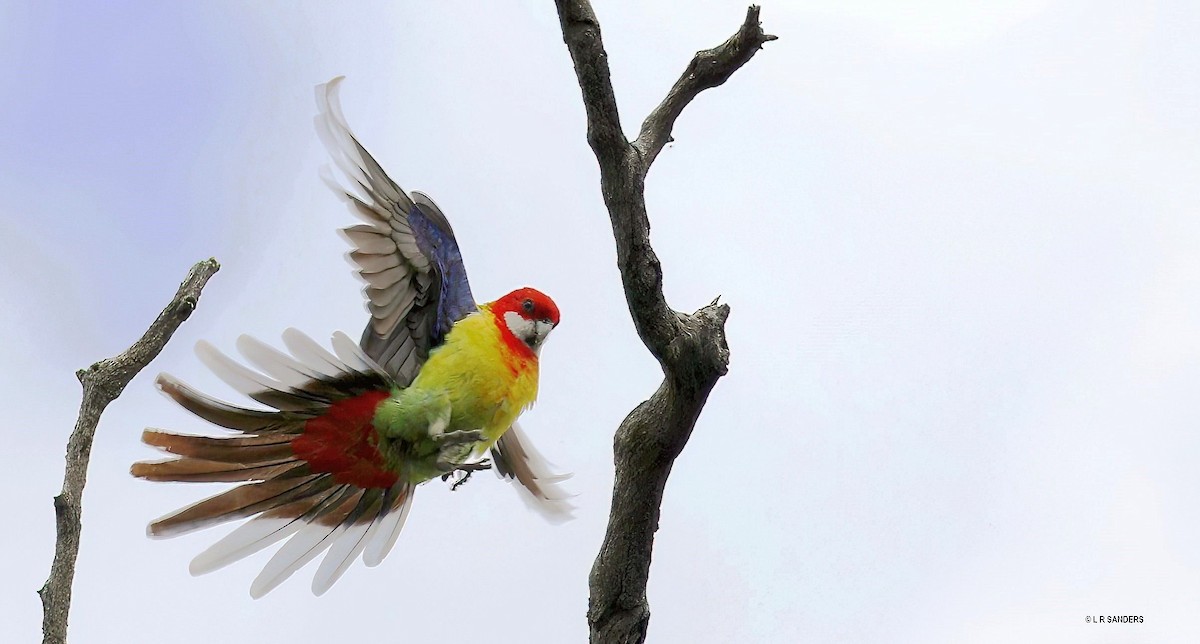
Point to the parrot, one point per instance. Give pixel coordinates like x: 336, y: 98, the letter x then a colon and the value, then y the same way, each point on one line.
x: 435, y: 383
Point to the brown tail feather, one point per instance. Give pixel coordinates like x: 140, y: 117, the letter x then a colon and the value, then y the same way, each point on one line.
x: 304, y: 508
x: 230, y: 416
x: 247, y: 450
x: 192, y: 470
x: 240, y: 502
x: 365, y: 509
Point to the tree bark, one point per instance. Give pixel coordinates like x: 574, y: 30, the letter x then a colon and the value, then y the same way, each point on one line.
x: 690, y: 348
x: 102, y: 383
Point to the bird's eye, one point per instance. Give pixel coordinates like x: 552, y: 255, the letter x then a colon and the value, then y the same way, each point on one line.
x: 527, y: 305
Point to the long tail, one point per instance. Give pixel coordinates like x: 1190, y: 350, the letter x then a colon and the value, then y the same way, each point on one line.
x: 308, y: 469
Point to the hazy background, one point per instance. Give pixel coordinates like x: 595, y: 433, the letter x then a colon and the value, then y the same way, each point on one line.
x: 960, y: 243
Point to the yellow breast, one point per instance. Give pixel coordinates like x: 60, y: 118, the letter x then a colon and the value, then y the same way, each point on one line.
x: 488, y: 379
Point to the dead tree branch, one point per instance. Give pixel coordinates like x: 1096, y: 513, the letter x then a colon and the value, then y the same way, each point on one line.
x: 102, y: 383
x: 690, y: 348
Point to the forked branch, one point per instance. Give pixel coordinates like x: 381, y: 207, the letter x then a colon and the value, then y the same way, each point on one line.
x: 102, y: 383
x: 709, y: 68
x: 691, y: 348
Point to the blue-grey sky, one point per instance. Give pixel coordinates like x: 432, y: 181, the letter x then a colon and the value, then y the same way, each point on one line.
x: 960, y: 243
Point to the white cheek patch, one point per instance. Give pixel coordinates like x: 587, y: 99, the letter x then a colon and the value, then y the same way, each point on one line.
x: 530, y: 332
x: 520, y: 327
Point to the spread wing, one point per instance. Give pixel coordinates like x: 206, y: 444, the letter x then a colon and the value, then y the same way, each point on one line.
x: 416, y: 285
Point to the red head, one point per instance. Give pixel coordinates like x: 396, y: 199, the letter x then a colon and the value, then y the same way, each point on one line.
x: 528, y: 314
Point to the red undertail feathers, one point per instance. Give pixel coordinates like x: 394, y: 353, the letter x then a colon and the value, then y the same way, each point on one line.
x: 342, y: 442
x: 308, y: 468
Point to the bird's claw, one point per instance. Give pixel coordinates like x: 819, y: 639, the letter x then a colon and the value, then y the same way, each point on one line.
x: 467, y: 470
x: 465, y: 477
x: 484, y: 464
x: 450, y: 467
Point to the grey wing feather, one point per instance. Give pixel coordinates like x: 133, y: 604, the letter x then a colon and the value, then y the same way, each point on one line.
x: 402, y: 294
x: 515, y: 457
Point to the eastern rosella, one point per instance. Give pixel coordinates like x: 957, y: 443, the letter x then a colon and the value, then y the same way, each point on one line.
x: 438, y: 381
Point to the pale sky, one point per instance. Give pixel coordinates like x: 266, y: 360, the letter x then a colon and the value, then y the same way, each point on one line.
x: 961, y: 245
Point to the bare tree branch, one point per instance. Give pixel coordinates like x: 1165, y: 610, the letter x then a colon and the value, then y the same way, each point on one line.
x: 581, y: 31
x: 690, y: 348
x: 709, y: 68
x: 102, y: 383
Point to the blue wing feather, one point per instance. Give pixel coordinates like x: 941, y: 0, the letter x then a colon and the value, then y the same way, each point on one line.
x: 436, y: 240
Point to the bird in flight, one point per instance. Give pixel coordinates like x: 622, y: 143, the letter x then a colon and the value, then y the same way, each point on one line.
x: 435, y: 384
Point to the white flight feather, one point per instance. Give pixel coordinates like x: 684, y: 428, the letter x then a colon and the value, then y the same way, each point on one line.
x: 383, y: 533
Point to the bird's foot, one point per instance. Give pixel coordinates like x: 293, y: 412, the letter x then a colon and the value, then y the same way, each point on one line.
x: 458, y: 438
x: 464, y: 470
